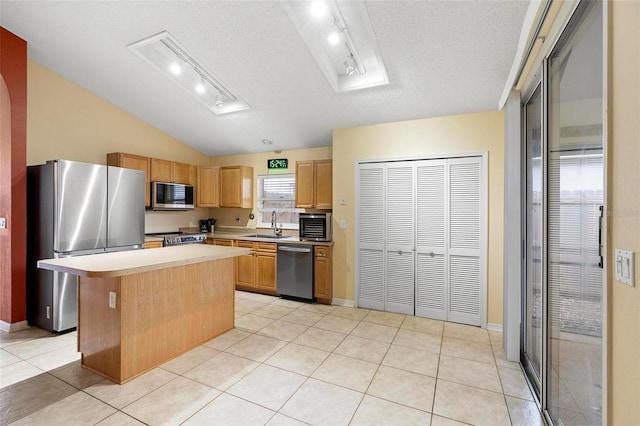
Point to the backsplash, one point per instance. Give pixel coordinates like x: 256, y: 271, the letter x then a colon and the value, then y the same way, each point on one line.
x: 155, y: 221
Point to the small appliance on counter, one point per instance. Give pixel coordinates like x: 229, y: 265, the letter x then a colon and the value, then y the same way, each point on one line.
x: 315, y: 226
x: 204, y: 225
x: 211, y: 222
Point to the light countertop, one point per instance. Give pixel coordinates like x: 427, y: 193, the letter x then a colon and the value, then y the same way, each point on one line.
x: 137, y: 261
x: 284, y: 239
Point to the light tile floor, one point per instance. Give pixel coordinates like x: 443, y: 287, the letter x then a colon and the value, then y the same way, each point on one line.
x: 286, y: 363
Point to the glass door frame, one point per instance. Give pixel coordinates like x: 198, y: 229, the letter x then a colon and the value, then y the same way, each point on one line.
x: 539, y: 77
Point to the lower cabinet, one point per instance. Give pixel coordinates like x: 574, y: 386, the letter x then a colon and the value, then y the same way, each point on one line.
x: 323, y: 274
x: 152, y: 244
x: 257, y: 270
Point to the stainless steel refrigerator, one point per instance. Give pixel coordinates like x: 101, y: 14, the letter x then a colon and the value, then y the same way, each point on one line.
x: 76, y: 209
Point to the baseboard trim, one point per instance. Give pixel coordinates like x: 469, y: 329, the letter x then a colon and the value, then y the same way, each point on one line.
x: 16, y: 326
x: 494, y: 327
x: 342, y: 302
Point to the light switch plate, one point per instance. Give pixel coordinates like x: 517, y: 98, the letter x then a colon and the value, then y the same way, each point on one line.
x: 3, y: 222
x: 624, y: 264
x: 112, y: 299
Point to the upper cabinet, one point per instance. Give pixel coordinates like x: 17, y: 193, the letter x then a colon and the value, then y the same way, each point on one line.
x: 236, y: 186
x: 314, y: 184
x: 131, y: 161
x: 171, y: 171
x: 208, y: 186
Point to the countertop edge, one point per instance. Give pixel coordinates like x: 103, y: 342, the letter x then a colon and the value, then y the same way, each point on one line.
x: 54, y: 264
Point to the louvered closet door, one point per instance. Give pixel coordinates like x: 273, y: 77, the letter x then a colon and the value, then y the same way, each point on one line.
x: 371, y: 200
x: 431, y: 237
x: 465, y: 239
x: 399, y: 230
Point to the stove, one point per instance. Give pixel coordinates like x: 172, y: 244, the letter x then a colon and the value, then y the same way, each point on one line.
x: 177, y: 238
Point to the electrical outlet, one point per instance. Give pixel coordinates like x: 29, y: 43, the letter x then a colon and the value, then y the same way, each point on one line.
x: 112, y: 299
x: 3, y: 222
x: 343, y: 201
x: 343, y: 224
x: 238, y: 219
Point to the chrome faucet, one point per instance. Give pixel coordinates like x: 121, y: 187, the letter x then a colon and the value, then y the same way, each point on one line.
x: 277, y: 232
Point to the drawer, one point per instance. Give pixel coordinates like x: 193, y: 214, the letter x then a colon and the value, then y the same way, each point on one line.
x: 322, y: 251
x: 245, y: 244
x: 271, y: 247
x: 228, y: 243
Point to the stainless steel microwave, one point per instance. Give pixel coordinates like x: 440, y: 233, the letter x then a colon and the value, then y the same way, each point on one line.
x: 315, y: 227
x: 171, y: 196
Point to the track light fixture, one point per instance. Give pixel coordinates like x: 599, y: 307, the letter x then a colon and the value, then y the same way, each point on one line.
x: 350, y: 65
x: 220, y: 100
x: 341, y: 39
x: 166, y: 54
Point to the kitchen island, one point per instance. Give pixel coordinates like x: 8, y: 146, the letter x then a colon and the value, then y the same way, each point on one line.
x: 138, y: 309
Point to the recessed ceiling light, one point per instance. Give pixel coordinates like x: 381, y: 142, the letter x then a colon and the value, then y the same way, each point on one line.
x: 200, y: 87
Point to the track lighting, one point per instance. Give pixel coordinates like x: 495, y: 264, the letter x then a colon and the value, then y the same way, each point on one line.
x: 220, y: 100
x: 200, y: 86
x: 167, y: 55
x: 350, y: 65
x: 176, y: 68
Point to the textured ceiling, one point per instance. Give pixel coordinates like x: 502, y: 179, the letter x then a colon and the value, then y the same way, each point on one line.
x: 442, y: 57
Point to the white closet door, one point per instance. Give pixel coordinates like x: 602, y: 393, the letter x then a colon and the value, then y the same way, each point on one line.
x: 431, y: 238
x: 370, y: 235
x: 399, y: 230
x: 466, y: 272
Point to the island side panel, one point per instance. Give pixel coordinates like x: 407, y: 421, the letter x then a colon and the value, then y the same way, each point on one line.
x: 168, y: 312
x: 99, y: 326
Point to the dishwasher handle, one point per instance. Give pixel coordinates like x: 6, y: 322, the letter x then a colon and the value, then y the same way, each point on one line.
x: 294, y: 249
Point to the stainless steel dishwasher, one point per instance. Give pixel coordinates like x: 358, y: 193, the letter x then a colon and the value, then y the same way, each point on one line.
x: 295, y: 270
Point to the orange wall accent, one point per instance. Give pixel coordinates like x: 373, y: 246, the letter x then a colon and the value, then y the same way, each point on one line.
x: 13, y: 178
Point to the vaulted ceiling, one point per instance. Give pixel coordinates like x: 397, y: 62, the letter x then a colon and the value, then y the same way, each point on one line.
x: 443, y: 57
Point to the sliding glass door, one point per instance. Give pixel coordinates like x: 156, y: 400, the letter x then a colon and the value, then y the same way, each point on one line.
x: 576, y: 195
x: 562, y: 331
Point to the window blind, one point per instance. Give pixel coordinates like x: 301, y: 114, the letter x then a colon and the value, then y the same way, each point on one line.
x: 278, y: 187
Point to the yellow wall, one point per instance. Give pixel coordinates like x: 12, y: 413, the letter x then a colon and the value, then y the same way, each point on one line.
x: 65, y: 121
x: 480, y: 132
x: 624, y: 210
x: 227, y: 216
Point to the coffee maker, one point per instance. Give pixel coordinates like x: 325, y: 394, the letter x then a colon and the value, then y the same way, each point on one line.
x: 204, y: 225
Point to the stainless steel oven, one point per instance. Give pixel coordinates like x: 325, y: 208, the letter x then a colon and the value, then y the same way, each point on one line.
x: 315, y: 227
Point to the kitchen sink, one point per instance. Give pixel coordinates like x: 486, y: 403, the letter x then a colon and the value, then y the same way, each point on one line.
x: 275, y: 237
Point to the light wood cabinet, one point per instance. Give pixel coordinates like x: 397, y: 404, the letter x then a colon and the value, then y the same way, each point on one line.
x: 323, y: 274
x: 208, y: 186
x: 257, y: 271
x: 236, y: 186
x: 314, y: 185
x: 171, y: 171
x: 152, y: 244
x: 136, y: 162
x: 223, y: 242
